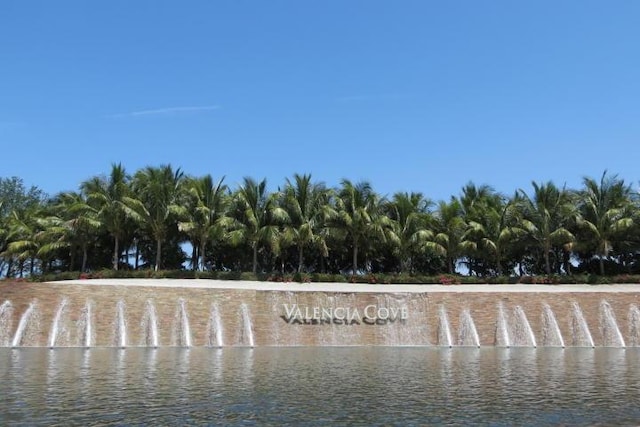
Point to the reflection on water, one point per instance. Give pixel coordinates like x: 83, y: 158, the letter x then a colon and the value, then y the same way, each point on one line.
x: 317, y: 386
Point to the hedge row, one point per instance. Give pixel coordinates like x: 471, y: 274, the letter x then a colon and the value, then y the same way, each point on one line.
x: 319, y: 278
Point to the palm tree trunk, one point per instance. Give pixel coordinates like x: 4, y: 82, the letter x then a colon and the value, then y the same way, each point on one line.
x: 255, y: 258
x: 84, y: 258
x: 202, y: 246
x: 601, y: 265
x: 9, y: 267
x: 116, y: 253
x: 194, y: 257
x: 137, y: 255
x: 405, y: 264
x: 547, y: 263
x: 300, y: 259
x: 72, y: 256
x: 355, y: 257
x: 567, y: 261
x: 158, y: 254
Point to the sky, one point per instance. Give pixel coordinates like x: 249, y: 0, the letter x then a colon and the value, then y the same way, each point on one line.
x: 409, y: 95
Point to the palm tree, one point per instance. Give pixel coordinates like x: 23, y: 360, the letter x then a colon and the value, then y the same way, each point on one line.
x: 74, y: 225
x: 108, y: 197
x: 361, y: 218
x: 448, y: 227
x: 475, y: 198
x: 16, y: 201
x: 205, y: 218
x: 605, y: 213
x: 307, y: 205
x: 157, y: 202
x: 4, y: 231
x: 491, y: 224
x: 257, y: 218
x: 410, y: 213
x: 546, y: 218
x: 24, y: 236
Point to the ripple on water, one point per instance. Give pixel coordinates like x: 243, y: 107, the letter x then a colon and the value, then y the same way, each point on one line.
x: 319, y: 386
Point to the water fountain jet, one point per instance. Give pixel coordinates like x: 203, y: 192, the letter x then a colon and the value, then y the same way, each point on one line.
x: 6, y: 323
x: 149, y: 326
x: 85, y: 326
x: 468, y: 333
x: 247, y: 327
x: 120, y: 330
x: 181, y: 331
x: 214, y: 332
x: 23, y: 325
x: 551, y: 335
x: 634, y: 325
x: 502, y: 328
x: 611, y: 335
x: 444, y: 328
x: 579, y: 328
x: 522, y: 333
x: 58, y: 325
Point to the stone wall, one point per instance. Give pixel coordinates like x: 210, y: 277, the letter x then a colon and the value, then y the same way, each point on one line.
x: 266, y: 323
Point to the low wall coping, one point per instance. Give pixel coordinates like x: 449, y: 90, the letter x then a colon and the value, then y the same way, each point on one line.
x: 352, y: 287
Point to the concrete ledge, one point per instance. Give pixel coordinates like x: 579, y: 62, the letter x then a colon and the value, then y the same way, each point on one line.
x: 352, y: 287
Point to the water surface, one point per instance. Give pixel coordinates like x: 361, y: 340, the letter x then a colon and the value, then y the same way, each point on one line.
x: 319, y: 386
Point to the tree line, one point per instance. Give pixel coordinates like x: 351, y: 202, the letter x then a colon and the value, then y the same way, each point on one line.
x: 146, y: 220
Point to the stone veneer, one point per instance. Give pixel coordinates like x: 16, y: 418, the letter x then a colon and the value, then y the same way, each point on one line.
x: 265, y: 308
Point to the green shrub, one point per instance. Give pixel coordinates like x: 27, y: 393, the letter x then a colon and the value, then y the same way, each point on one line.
x: 302, y: 277
x: 625, y: 278
x: 326, y: 277
x: 229, y: 275
x: 248, y: 276
x: 594, y: 279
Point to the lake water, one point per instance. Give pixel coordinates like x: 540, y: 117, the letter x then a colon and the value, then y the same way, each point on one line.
x: 320, y: 386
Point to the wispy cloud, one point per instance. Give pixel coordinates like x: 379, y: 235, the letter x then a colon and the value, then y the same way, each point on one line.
x: 167, y: 111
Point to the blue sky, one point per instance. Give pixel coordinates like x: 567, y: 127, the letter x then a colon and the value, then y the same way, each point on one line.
x: 410, y: 95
